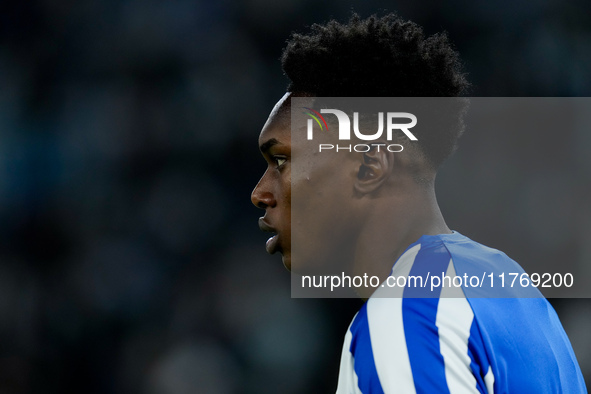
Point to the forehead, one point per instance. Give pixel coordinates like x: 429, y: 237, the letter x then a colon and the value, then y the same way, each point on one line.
x: 277, y: 129
x: 278, y: 124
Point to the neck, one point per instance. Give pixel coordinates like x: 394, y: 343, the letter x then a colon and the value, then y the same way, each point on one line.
x: 392, y: 225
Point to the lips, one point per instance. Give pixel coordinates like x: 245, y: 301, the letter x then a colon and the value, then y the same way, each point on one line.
x: 273, y: 242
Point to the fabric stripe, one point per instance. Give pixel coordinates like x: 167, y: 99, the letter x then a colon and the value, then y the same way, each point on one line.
x: 348, y: 380
x: 489, y: 380
x: 419, y: 317
x: 361, y: 349
x: 477, y: 353
x: 454, y: 321
x: 387, y: 331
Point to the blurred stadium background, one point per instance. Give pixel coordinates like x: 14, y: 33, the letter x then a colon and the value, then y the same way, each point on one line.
x: 130, y: 258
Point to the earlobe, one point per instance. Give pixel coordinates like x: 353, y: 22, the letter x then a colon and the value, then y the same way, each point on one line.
x: 374, y: 169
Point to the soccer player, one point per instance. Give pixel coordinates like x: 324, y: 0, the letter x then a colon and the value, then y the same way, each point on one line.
x: 389, y: 222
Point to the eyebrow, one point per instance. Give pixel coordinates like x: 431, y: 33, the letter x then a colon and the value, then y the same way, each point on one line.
x: 268, y: 144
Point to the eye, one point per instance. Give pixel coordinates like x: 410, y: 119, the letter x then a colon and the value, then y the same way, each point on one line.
x: 279, y: 160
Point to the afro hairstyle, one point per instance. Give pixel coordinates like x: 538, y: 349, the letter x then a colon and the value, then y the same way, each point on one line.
x: 374, y: 57
x: 383, y: 57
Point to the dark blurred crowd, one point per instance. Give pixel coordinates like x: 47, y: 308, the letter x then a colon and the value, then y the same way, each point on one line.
x: 130, y: 258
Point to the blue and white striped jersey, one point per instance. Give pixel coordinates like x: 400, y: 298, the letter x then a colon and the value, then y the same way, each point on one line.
x: 457, y: 343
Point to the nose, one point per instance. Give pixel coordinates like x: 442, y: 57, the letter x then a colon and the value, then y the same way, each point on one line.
x: 261, y: 196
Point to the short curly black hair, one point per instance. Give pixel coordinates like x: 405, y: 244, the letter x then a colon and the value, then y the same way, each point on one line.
x: 374, y: 57
x: 383, y: 57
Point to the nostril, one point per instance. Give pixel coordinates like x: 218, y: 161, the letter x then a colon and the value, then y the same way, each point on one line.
x: 257, y: 201
x: 261, y: 199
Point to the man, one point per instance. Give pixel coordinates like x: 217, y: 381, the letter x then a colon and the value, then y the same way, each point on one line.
x: 375, y: 211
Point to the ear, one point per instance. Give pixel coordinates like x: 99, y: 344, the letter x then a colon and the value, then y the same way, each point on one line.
x: 375, y: 168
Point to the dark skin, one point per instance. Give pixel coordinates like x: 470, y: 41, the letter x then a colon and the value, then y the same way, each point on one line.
x: 363, y: 212
x: 273, y: 192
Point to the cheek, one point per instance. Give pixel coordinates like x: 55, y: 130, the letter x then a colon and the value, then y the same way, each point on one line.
x: 322, y: 185
x: 283, y: 195
x: 285, y: 191
x: 320, y: 206
x: 320, y: 224
x: 321, y: 210
x: 288, y: 205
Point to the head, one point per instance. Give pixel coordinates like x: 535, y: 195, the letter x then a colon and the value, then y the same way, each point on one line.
x: 373, y: 57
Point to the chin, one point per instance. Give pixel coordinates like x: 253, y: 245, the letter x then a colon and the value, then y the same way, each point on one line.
x: 286, y: 259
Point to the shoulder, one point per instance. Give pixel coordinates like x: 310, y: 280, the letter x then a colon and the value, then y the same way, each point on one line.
x: 419, y: 337
x: 415, y: 344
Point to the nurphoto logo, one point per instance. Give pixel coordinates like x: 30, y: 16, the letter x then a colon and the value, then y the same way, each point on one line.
x: 345, y: 129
